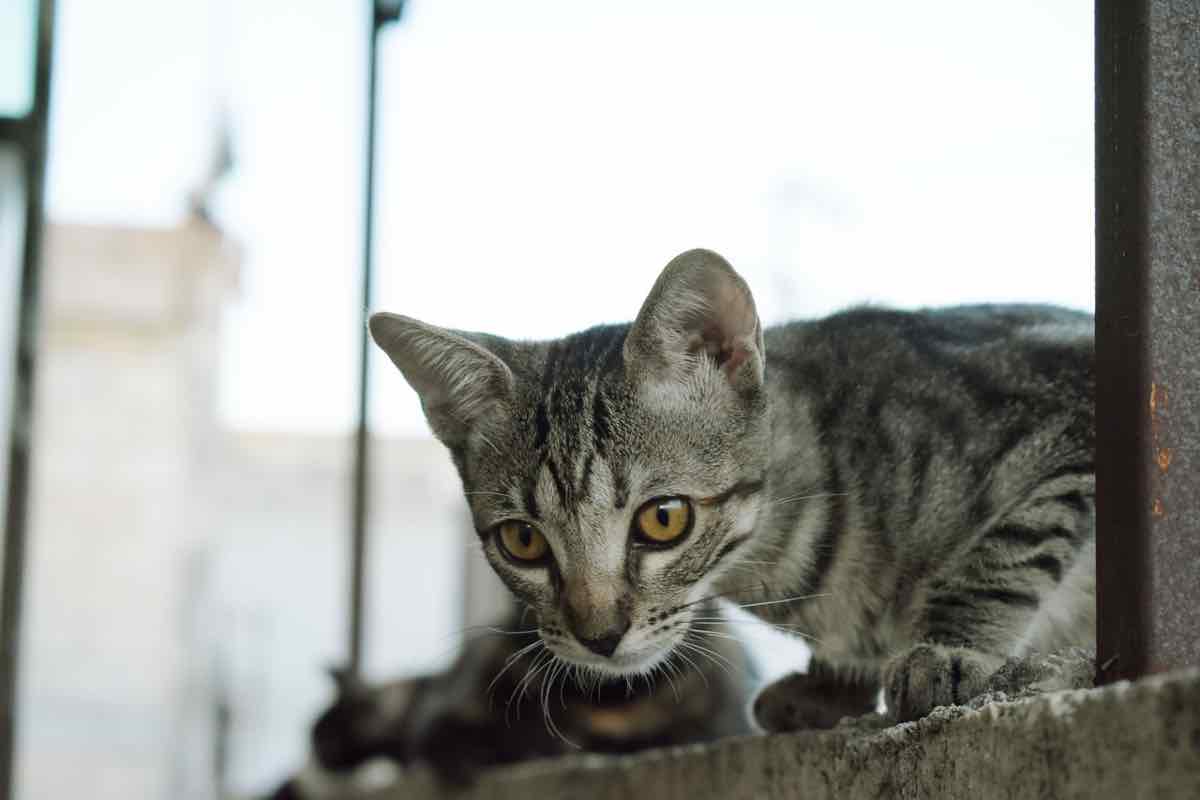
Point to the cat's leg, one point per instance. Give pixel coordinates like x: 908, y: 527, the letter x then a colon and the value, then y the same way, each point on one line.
x: 816, y: 699
x: 990, y: 609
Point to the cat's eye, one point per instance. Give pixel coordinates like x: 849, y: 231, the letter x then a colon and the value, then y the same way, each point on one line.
x: 522, y: 542
x: 663, y: 520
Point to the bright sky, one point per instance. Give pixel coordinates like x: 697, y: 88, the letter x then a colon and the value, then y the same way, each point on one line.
x: 540, y: 161
x: 17, y: 24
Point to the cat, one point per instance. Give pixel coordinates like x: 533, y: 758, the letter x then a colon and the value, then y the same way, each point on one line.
x: 912, y: 491
x: 501, y: 702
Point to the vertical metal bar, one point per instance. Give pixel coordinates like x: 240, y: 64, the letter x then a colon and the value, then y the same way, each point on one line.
x: 358, y: 530
x: 382, y: 13
x: 19, y: 456
x: 1122, y: 495
x: 1147, y: 330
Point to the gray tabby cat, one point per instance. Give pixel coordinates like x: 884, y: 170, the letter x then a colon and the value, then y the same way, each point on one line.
x: 913, y: 491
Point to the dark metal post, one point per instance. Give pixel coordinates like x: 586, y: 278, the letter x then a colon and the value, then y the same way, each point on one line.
x: 30, y: 134
x: 382, y: 13
x: 1147, y: 335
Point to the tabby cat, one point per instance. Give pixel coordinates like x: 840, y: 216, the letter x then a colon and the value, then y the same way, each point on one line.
x: 911, y: 491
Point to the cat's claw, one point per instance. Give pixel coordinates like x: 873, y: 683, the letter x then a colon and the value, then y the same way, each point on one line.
x: 930, y: 675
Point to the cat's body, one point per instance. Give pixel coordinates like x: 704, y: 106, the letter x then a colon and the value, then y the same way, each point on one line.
x: 947, y: 456
x: 912, y: 490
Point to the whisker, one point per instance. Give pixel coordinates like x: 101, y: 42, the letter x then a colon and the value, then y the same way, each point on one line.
x: 547, y: 715
x: 508, y: 662
x: 799, y: 497
x: 562, y: 701
x: 538, y: 659
x: 784, y: 600
x: 718, y: 621
x: 695, y: 668
x: 667, y: 675
x: 492, y: 629
x: 473, y: 632
x: 706, y: 654
x: 718, y: 634
x: 680, y: 673
x: 542, y: 695
x: 649, y: 678
x: 783, y: 627
x: 545, y: 659
x: 713, y: 653
x: 752, y: 621
x: 724, y: 594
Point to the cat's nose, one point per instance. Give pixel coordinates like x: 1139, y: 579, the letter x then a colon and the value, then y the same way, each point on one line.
x: 604, y: 645
x: 596, y: 611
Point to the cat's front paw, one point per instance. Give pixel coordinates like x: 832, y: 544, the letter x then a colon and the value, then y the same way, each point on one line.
x: 930, y: 675
x: 814, y: 700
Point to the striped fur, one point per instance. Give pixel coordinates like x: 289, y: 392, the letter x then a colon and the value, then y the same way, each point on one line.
x: 911, y: 490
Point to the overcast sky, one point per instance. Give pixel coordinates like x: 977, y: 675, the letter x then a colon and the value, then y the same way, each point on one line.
x: 541, y: 160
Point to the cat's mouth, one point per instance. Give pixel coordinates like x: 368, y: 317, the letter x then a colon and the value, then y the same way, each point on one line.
x: 618, y: 665
x: 641, y: 661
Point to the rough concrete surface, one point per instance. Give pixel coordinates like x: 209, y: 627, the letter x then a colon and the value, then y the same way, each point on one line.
x: 1138, y: 740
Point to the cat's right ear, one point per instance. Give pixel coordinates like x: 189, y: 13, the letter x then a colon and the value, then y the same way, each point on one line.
x: 458, y: 380
x: 699, y: 315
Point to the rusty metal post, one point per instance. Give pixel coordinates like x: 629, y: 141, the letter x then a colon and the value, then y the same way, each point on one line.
x: 1147, y: 335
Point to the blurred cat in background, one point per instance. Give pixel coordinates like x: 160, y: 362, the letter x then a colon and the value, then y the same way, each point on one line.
x: 501, y: 703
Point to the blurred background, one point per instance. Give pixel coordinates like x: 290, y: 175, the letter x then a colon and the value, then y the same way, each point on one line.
x: 186, y: 575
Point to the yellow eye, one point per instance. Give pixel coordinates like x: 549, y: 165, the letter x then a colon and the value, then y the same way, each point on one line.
x: 522, y: 541
x: 664, y: 519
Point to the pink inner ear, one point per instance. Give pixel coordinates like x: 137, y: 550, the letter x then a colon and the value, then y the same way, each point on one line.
x: 731, y: 358
x: 728, y: 354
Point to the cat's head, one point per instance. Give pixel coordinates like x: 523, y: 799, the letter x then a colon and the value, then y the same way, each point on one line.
x: 611, y: 474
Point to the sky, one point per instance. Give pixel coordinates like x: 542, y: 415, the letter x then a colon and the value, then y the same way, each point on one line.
x: 540, y: 161
x: 17, y: 21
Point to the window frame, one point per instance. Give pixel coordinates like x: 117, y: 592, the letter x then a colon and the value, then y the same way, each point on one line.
x: 27, y: 135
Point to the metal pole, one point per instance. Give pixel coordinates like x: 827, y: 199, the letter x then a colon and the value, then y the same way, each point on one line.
x: 1147, y: 329
x: 382, y: 14
x: 33, y: 150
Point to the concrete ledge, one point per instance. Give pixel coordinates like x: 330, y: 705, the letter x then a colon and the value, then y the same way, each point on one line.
x: 1122, y: 741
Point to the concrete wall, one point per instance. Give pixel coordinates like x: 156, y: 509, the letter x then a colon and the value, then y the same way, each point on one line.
x: 1124, y: 741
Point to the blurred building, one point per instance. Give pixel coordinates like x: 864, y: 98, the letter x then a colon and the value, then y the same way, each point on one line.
x: 187, y: 582
x: 129, y: 331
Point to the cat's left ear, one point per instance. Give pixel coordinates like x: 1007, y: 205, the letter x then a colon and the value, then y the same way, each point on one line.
x: 459, y: 380
x: 699, y: 314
